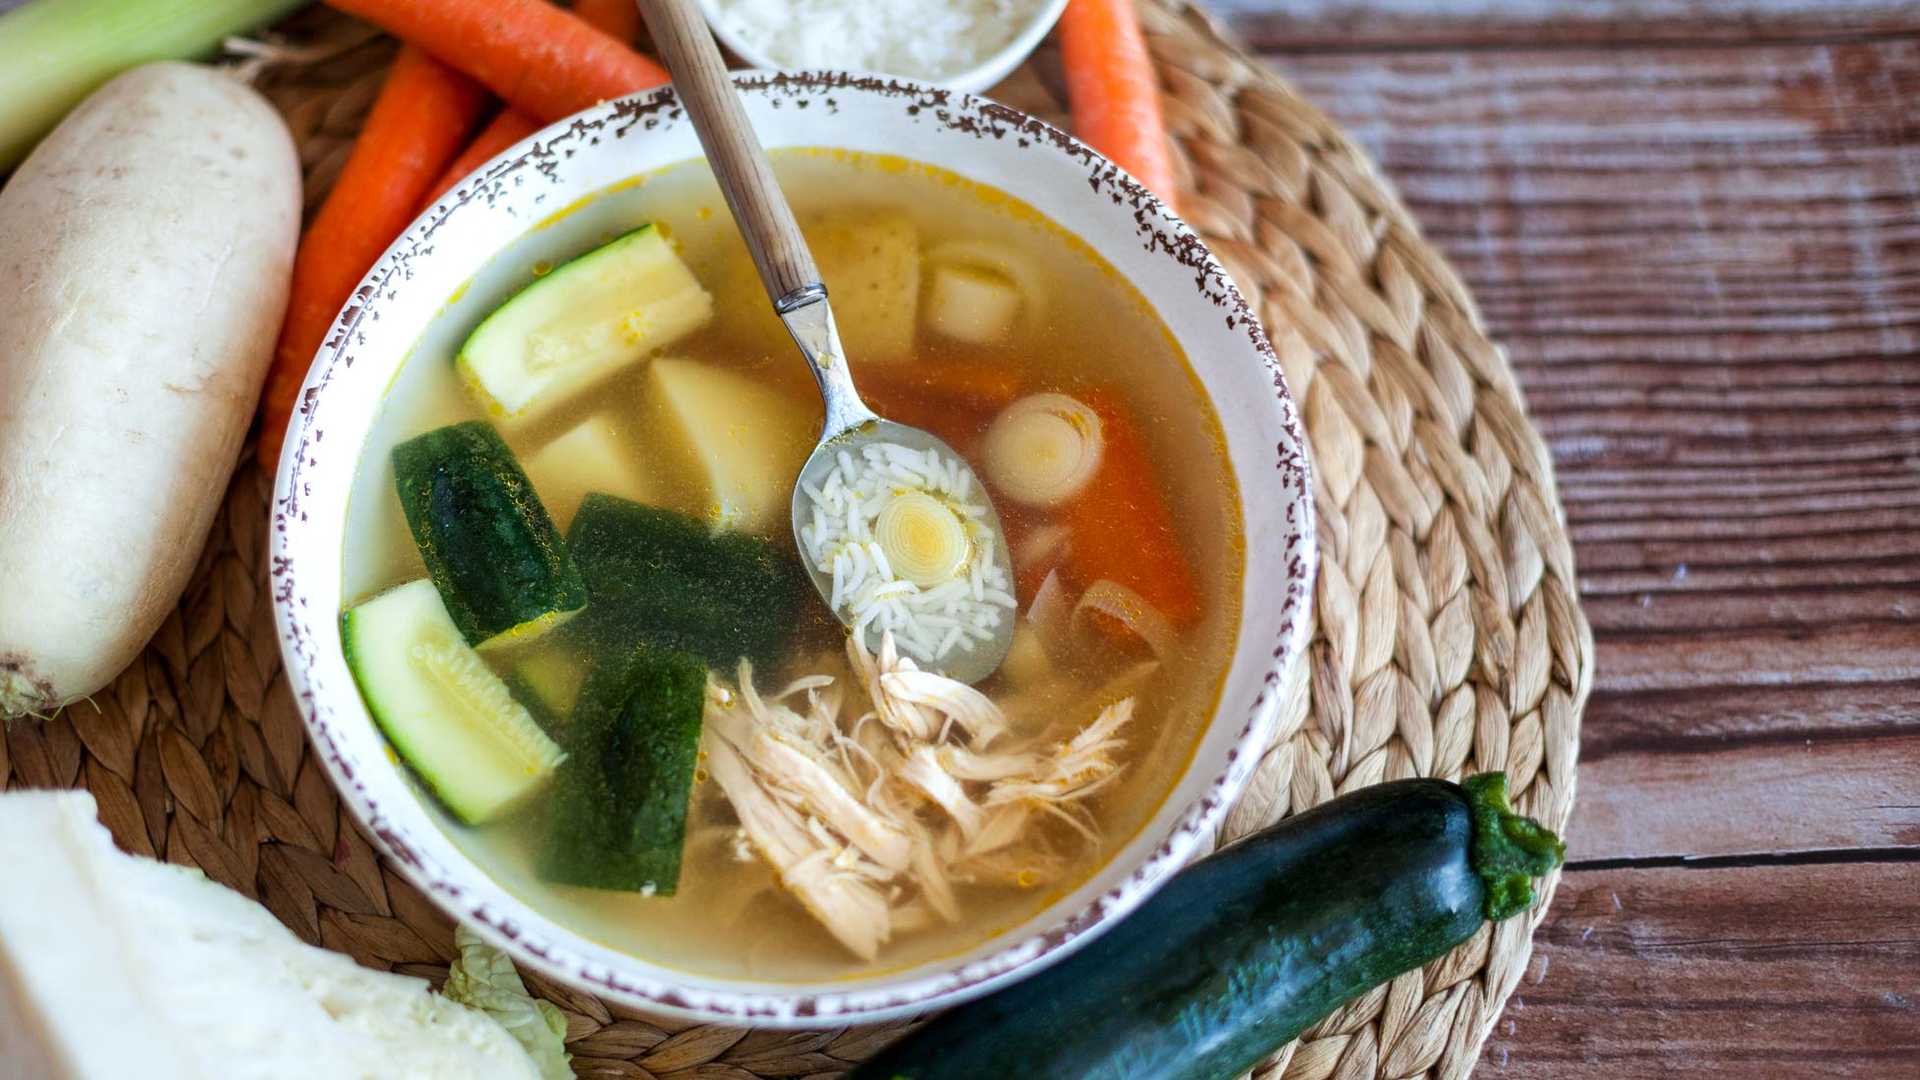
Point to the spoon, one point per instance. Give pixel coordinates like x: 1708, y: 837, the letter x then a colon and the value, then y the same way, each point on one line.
x: 799, y: 297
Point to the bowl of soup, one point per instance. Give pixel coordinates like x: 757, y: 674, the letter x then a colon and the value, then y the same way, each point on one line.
x: 547, y: 622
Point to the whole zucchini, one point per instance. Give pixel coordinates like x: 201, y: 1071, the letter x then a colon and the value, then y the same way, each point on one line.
x: 1246, y: 949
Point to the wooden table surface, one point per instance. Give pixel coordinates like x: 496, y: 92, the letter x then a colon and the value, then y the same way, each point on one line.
x: 1695, y: 224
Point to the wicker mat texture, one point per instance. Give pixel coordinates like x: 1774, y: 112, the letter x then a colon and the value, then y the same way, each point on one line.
x: 1449, y: 637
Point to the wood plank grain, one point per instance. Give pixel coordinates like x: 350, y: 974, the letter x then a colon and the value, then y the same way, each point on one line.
x: 1797, y: 794
x: 1771, y: 971
x: 1705, y: 263
x: 1358, y: 25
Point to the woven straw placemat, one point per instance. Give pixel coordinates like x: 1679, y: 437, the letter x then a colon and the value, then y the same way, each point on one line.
x: 1449, y: 637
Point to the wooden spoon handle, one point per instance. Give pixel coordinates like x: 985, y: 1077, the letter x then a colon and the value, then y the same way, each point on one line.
x: 700, y: 77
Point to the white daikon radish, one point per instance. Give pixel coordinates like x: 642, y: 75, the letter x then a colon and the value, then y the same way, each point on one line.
x: 748, y: 439
x: 870, y: 262
x: 1050, y: 613
x: 590, y: 456
x: 1043, y: 449
x: 1004, y: 263
x: 975, y: 306
x: 1028, y: 663
x: 144, y: 253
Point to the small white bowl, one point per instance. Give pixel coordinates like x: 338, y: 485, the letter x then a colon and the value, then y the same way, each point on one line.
x: 978, y: 139
x: 973, y: 80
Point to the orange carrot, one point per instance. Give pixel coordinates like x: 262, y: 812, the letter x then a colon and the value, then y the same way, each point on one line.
x: 618, y: 18
x: 957, y: 423
x: 508, y: 128
x: 542, y: 60
x: 423, y: 114
x: 955, y: 402
x: 975, y: 385
x: 1122, y: 527
x: 1113, y: 92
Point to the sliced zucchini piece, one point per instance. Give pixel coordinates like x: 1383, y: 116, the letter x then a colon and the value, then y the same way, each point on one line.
x: 591, y: 456
x: 583, y: 321
x: 748, y: 439
x: 487, y: 542
x: 972, y: 305
x: 618, y: 815
x: 665, y: 578
x: 448, y: 717
x: 547, y: 681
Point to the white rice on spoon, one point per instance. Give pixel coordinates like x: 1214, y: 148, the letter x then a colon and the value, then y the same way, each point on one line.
x: 931, y: 614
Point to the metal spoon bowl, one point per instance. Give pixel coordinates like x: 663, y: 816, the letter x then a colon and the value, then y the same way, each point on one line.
x: 793, y: 283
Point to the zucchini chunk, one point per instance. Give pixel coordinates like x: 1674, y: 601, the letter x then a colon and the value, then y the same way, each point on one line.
x: 547, y: 681
x: 583, y: 321
x: 487, y: 542
x: 618, y: 814
x: 664, y: 578
x: 448, y: 717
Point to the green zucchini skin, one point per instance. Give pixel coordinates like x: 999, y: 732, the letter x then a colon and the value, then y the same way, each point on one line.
x: 1235, y: 956
x: 666, y: 579
x: 488, y: 543
x: 617, y: 815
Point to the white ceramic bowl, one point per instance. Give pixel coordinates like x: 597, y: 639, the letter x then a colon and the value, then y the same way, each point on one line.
x: 981, y: 140
x: 973, y: 80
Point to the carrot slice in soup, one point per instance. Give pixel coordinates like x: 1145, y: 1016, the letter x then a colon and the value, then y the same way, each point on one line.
x: 1123, y: 529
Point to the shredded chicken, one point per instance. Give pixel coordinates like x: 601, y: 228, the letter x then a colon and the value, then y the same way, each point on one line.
x: 869, y: 815
x: 781, y: 763
x: 849, y: 904
x: 922, y: 770
x: 958, y: 702
x: 1004, y: 826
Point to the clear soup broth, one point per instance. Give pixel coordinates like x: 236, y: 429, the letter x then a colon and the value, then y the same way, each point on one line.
x: 956, y: 303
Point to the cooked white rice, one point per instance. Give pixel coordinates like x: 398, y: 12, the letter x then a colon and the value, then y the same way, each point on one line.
x: 928, y: 39
x: 927, y: 623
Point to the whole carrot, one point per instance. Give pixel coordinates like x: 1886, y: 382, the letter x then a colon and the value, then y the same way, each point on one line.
x: 620, y: 19
x: 1112, y: 90
x: 423, y: 114
x: 509, y: 127
x: 540, y: 59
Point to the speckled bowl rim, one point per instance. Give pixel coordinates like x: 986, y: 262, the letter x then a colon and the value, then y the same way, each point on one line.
x: 469, y: 895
